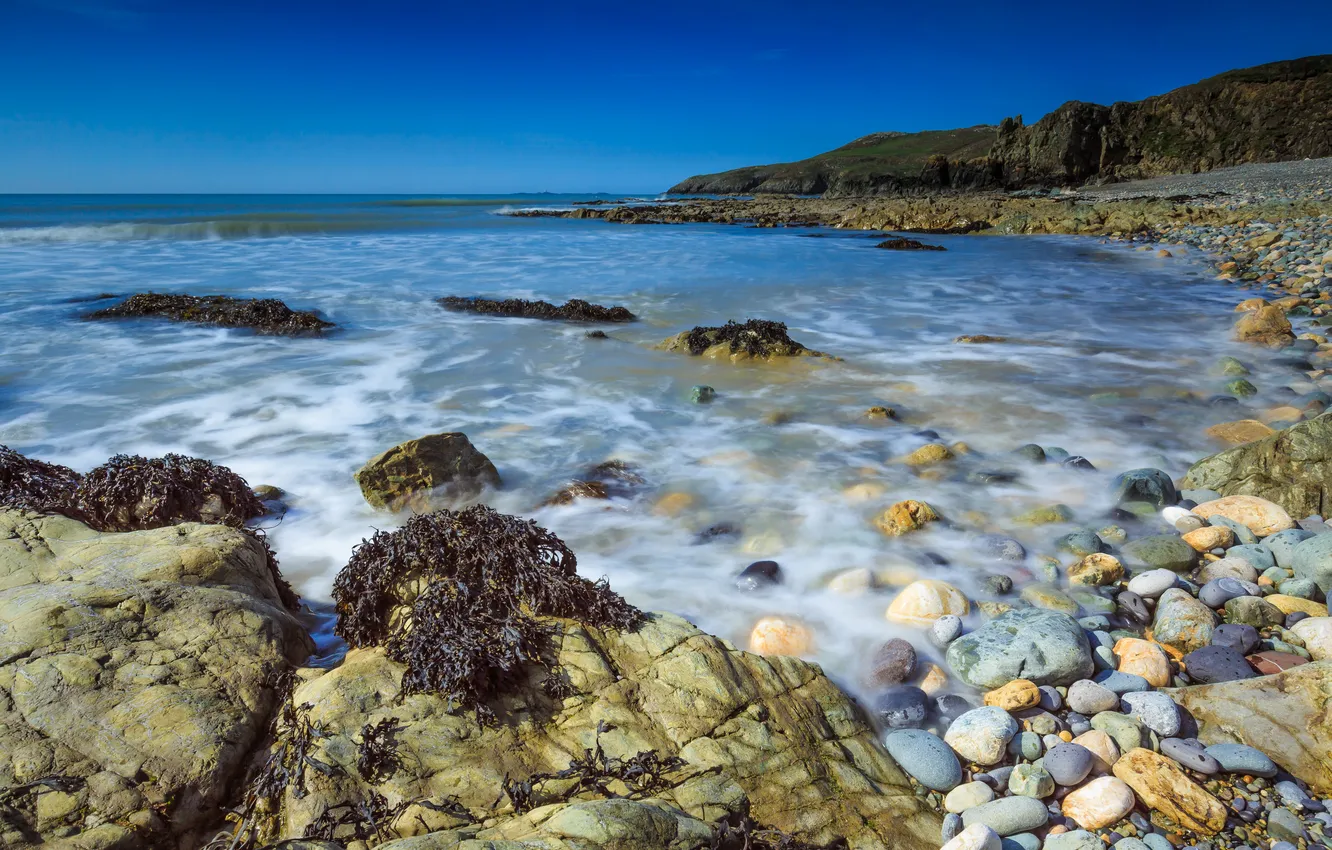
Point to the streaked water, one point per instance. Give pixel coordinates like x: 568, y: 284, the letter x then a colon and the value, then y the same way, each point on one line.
x: 1109, y: 361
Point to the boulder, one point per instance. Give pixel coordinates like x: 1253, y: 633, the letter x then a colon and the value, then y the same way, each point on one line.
x: 1292, y: 468
x: 1312, y: 559
x: 1283, y: 715
x: 137, y: 673
x: 770, y: 735
x: 755, y: 339
x: 1266, y: 325
x: 1046, y: 647
x: 436, y: 471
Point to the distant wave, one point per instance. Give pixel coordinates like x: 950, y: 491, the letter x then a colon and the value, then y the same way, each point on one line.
x: 222, y: 229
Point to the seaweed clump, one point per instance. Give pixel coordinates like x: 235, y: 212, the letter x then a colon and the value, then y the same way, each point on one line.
x: 132, y: 493
x: 902, y: 243
x: 34, y: 485
x: 456, y: 597
x: 738, y: 831
x: 756, y: 337
x: 573, y: 310
x: 594, y: 772
x: 264, y: 315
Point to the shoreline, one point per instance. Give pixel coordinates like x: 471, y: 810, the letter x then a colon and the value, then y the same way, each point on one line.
x: 1034, y: 719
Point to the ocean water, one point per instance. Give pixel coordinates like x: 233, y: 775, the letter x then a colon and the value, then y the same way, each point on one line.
x: 1109, y: 359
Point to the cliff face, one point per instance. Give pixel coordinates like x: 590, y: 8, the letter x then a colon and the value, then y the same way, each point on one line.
x: 1268, y: 113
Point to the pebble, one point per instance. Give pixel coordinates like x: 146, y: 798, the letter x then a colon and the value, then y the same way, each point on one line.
x: 758, y: 575
x: 1087, y: 697
x: 894, y: 663
x: 945, y: 630
x: 1026, y: 745
x: 1014, y: 696
x: 1122, y: 683
x: 1051, y: 700
x: 1046, y: 647
x: 925, y: 757
x: 1213, y: 664
x: 1293, y: 795
x: 951, y: 827
x: 902, y: 707
x: 780, y: 636
x: 1100, y: 803
x: 1157, y: 711
x: 1134, y: 607
x: 1190, y: 754
x: 1009, y: 815
x: 1239, y: 637
x: 1217, y: 592
x: 1284, y: 825
x: 1241, y: 758
x: 1282, y: 545
x: 1078, y: 839
x: 922, y: 602
x: 951, y: 706
x: 968, y: 796
x: 1029, y: 780
x: 982, y: 735
x: 1152, y: 583
x: 1257, y: 556
x: 1128, y: 732
x: 1143, y: 658
x: 1069, y: 763
x: 974, y: 837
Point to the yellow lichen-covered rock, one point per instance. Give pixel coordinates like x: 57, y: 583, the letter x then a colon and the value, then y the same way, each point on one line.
x: 1097, y: 569
x: 1267, y: 325
x: 1143, y: 658
x: 1296, y: 605
x: 771, y: 735
x: 922, y: 602
x: 1015, y: 696
x: 905, y: 517
x: 1210, y: 537
x: 1164, y: 786
x: 136, y: 666
x: 928, y: 454
x: 433, y: 472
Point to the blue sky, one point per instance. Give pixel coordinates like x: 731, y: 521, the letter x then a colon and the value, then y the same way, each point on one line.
x: 501, y: 96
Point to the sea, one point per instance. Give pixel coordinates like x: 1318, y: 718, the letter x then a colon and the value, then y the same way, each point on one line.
x: 1110, y: 356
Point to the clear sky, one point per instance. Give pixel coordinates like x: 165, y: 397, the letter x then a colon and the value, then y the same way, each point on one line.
x: 504, y: 96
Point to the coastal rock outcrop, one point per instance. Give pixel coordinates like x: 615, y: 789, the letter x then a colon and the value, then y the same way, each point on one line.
x: 755, y: 339
x: 573, y: 310
x: 768, y: 736
x: 264, y: 315
x: 1292, y: 468
x: 137, y: 673
x: 1285, y: 715
x: 435, y: 471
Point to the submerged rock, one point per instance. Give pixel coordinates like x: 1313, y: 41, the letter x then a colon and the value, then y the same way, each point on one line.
x: 756, y: 339
x: 573, y: 310
x: 136, y: 667
x: 265, y: 315
x: 432, y: 472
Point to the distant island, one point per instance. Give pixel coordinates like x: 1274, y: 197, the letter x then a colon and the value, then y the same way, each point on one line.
x: 1268, y: 113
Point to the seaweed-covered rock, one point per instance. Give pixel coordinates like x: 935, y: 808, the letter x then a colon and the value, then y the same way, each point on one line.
x: 756, y: 339
x: 1292, y: 468
x: 736, y: 733
x: 903, y: 243
x: 132, y: 493
x: 136, y: 676
x: 435, y: 471
x: 573, y: 310
x: 264, y: 315
x: 455, y: 597
x: 33, y: 484
x: 612, y: 479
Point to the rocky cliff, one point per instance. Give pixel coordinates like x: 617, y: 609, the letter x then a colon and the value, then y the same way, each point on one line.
x: 1268, y: 113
